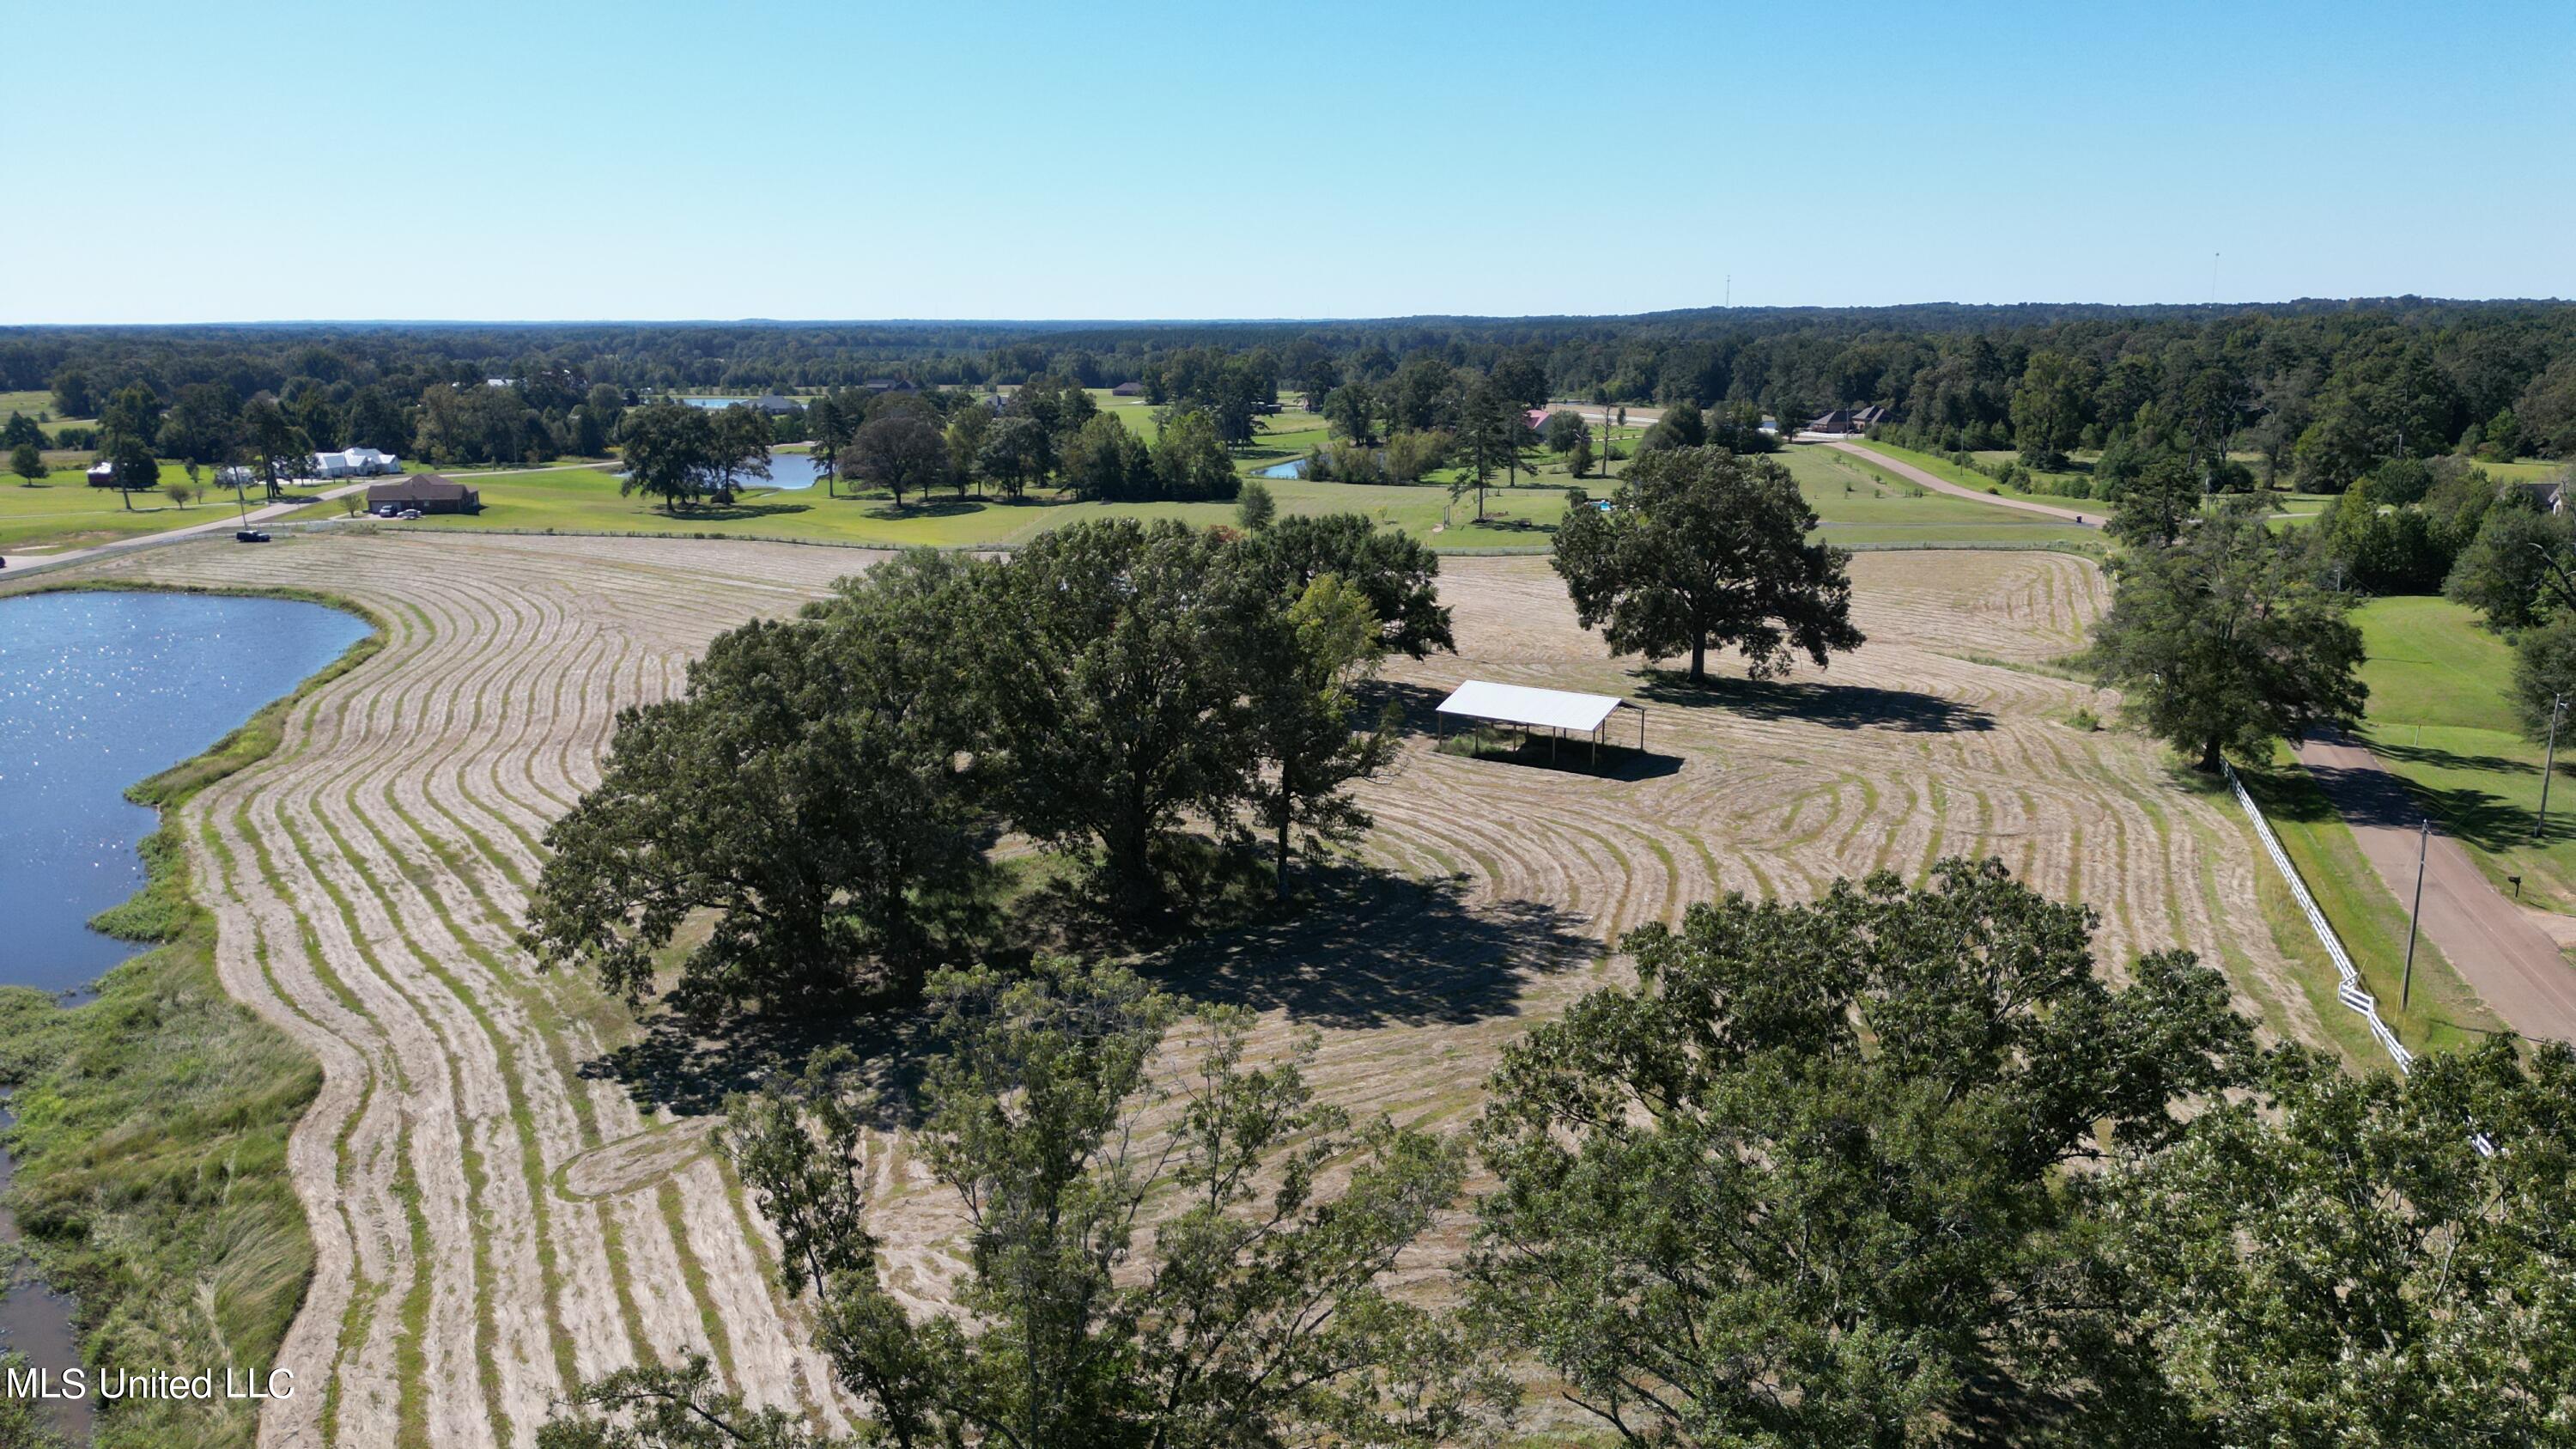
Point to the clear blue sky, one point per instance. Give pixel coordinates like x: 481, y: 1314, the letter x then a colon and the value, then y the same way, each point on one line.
x: 188, y: 161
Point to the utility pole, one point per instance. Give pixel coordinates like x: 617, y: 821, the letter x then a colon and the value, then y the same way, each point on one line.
x: 2549, y: 766
x: 2406, y: 983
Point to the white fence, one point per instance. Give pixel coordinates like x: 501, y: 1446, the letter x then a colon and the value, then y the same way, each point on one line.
x: 2350, y: 991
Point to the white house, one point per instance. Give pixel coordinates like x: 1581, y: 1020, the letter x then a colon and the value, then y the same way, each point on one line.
x: 354, y: 463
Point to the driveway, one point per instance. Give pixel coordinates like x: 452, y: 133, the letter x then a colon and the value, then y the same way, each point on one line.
x: 1912, y: 474
x: 2493, y: 942
x: 18, y: 566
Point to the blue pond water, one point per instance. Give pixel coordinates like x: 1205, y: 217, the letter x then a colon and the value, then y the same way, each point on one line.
x: 788, y: 472
x: 1293, y: 468
x: 713, y: 402
x: 98, y: 691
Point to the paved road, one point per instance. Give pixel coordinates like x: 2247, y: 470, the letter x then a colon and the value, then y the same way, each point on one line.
x: 16, y: 566
x: 2491, y: 941
x: 1938, y: 484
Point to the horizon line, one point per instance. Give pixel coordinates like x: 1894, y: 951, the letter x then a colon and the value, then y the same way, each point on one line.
x: 1283, y: 321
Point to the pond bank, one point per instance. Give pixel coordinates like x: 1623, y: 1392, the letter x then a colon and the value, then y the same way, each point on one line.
x: 152, y: 1125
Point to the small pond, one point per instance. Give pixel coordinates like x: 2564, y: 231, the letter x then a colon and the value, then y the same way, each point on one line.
x: 97, y: 691
x: 1293, y: 468
x: 788, y: 472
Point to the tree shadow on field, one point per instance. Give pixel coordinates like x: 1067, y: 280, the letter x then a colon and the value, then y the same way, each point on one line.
x: 1419, y: 704
x: 1378, y: 949
x: 924, y: 508
x: 1835, y: 706
x: 736, y: 512
x: 691, y: 1066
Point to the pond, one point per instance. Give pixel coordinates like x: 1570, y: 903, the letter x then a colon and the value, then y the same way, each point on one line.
x: 97, y: 691
x: 1293, y: 468
x: 713, y: 402
x: 790, y: 471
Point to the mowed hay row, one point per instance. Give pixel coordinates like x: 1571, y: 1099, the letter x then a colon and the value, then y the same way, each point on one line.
x: 368, y: 879
x: 494, y: 1217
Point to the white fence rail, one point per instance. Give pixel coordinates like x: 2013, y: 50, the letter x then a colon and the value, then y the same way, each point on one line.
x: 2349, y: 991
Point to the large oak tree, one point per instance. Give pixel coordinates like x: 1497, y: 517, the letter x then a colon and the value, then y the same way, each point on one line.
x: 2222, y: 642
x: 1702, y: 547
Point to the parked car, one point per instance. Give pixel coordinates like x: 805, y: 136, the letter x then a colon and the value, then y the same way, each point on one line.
x: 409, y: 513
x: 249, y: 535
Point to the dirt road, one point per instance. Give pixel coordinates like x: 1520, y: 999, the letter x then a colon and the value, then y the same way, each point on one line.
x: 1912, y: 474
x: 2503, y: 956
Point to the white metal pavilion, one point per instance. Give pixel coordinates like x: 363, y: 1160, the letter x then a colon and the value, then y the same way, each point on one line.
x: 1560, y: 712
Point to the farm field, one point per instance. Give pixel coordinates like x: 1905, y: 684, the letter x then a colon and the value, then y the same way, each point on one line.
x: 2440, y: 715
x: 507, y: 1179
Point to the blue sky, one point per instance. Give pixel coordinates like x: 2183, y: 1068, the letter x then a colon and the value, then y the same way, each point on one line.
x: 194, y: 162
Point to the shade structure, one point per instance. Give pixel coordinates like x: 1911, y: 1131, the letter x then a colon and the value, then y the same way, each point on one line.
x: 1555, y: 709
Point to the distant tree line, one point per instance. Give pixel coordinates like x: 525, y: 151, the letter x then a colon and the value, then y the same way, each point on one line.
x: 2321, y: 392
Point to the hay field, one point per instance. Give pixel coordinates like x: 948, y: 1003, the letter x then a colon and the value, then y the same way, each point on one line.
x: 498, y: 1210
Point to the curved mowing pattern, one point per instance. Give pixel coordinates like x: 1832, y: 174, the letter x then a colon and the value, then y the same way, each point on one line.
x: 495, y: 1217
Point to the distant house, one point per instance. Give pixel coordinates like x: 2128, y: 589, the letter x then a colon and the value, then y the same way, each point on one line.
x: 774, y: 405
x: 1128, y: 389
x: 1536, y: 418
x: 888, y: 384
x: 2546, y: 496
x: 1843, y: 422
x: 427, y: 492
x: 352, y: 463
x: 102, y: 474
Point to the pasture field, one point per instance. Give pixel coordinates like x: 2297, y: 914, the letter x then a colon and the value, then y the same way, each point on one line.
x: 2440, y: 714
x: 506, y: 1176
x: 37, y: 403
x: 586, y: 500
x: 2288, y: 508
x: 1862, y: 505
x: 1860, y: 508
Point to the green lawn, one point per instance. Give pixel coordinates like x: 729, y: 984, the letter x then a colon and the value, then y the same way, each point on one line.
x: 2439, y: 715
x: 65, y: 511
x: 39, y: 404
x: 587, y: 500
x: 2441, y: 1012
x: 1859, y: 506
x: 2301, y: 506
x: 1863, y: 504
